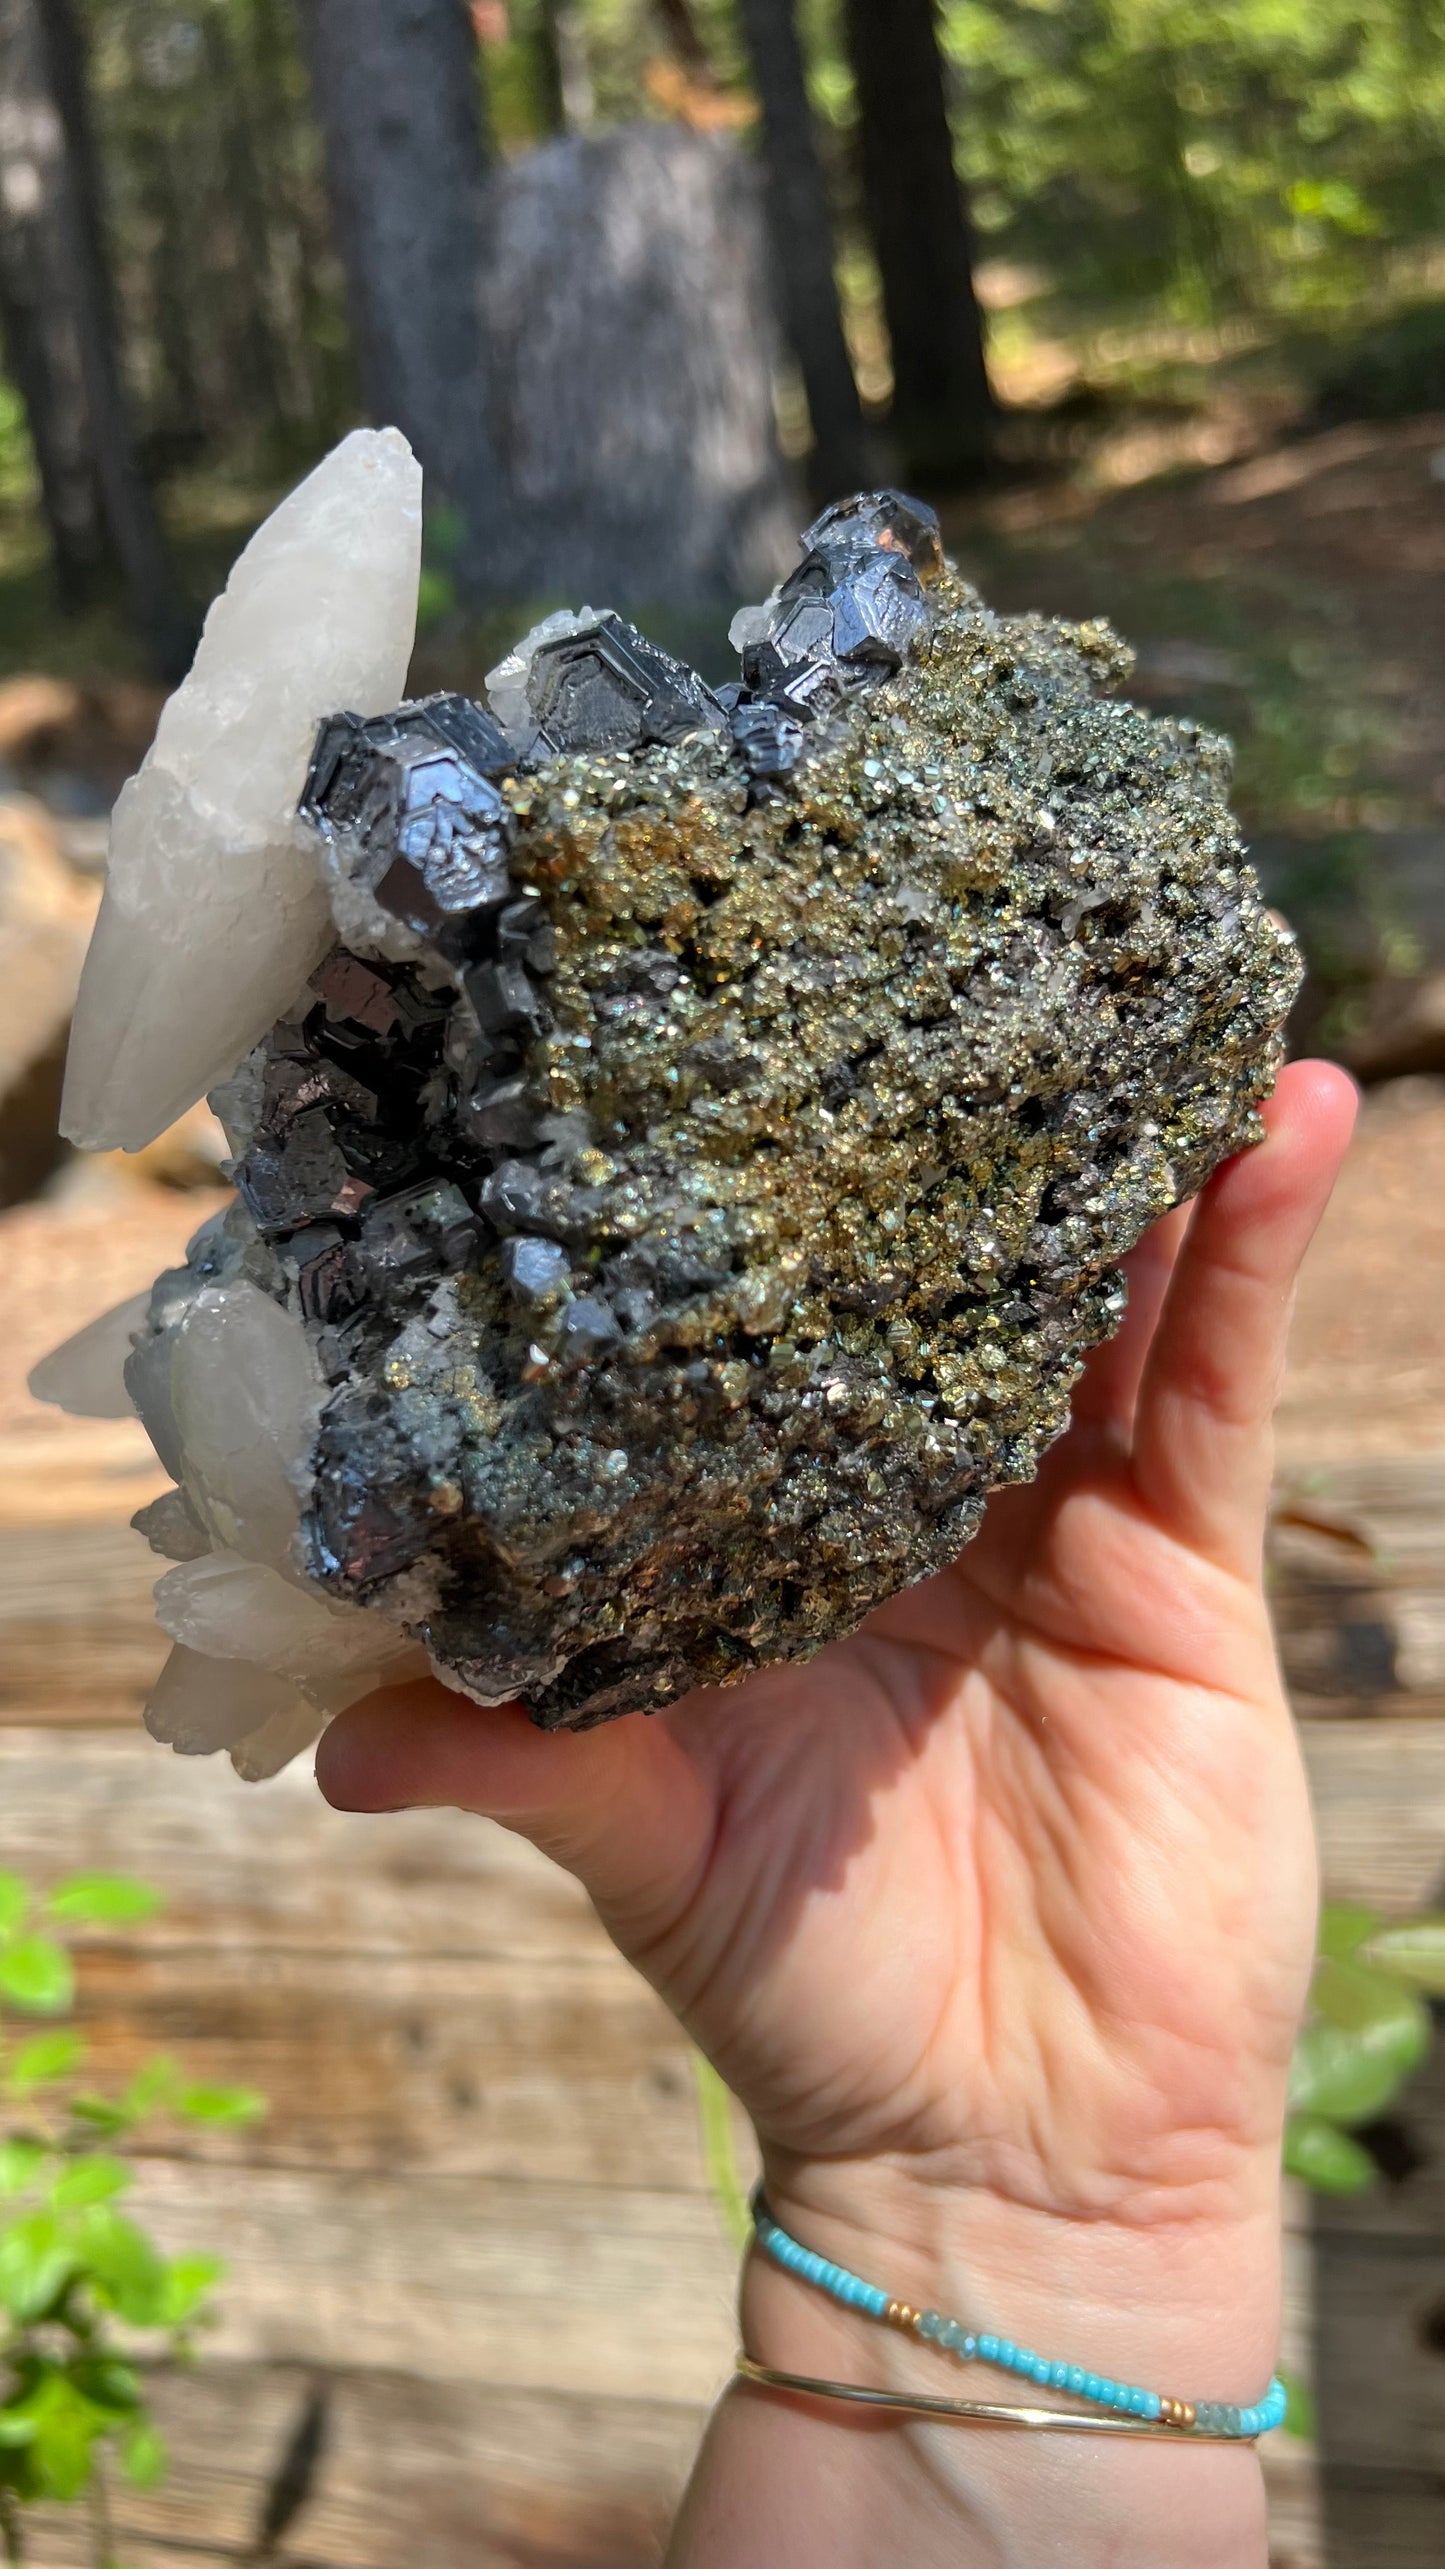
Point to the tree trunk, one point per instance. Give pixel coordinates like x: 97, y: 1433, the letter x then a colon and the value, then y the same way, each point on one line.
x: 943, y: 413
x: 59, y: 317
x: 567, y: 100
x: 633, y: 396
x: 801, y: 225
x: 36, y: 304
x: 396, y: 89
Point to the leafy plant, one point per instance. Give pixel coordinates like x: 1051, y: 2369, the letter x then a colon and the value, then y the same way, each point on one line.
x: 1368, y: 2030
x: 86, y: 2296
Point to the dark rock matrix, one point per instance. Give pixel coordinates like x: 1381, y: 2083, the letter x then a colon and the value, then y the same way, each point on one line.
x: 705, y: 1162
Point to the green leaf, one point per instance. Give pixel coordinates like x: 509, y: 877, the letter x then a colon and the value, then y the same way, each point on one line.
x: 221, y: 2104
x: 20, y: 2163
x: 1325, y: 2157
x: 35, y: 1973
x: 719, y: 2150
x: 143, y: 2456
x: 126, y: 2269
x: 1340, y: 2075
x: 63, y: 2452
x: 101, y: 2114
x: 1299, y: 2415
x: 1369, y: 2034
x: 154, y: 2084
x: 107, y: 2383
x: 1362, y: 2000
x: 14, y: 1903
x: 87, y: 2181
x: 1344, y: 1927
x: 103, y: 1900
x: 188, y: 2281
x: 43, y: 2059
x: 1413, y: 1951
x: 37, y: 2260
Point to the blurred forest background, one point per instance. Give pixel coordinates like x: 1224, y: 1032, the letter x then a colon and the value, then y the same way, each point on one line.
x: 1075, y: 268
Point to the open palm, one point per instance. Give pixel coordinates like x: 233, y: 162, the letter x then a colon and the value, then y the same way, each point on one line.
x: 1013, y: 1891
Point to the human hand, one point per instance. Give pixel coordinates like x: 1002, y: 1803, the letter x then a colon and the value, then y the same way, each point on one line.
x: 999, y: 1917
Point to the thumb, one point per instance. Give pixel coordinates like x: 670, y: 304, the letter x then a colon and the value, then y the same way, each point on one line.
x: 624, y: 1807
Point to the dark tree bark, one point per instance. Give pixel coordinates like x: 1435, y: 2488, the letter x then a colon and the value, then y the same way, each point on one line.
x: 35, y: 304
x: 801, y: 226
x: 395, y: 85
x: 943, y: 413
x: 627, y: 302
x: 60, y: 326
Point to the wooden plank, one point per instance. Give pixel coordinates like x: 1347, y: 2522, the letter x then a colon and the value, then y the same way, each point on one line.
x: 270, y: 1867
x: 540, y: 2287
x: 509, y: 2068
x: 1379, y: 1796
x: 1372, y: 2519
x: 78, y: 1634
x: 1379, y: 2314
x: 404, y: 2470
x: 1357, y: 1586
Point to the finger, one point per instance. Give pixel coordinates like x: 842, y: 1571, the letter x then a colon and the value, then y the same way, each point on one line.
x: 1109, y: 1386
x: 623, y: 1807
x: 1203, y: 1449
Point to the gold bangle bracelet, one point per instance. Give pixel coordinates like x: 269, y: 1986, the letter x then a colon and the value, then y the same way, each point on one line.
x: 1046, y: 2421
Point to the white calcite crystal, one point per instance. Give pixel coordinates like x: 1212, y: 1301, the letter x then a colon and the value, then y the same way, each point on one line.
x: 227, y: 1608
x: 200, y: 1705
x: 215, y: 913
x: 86, y: 1374
x: 214, y: 909
x: 245, y: 1393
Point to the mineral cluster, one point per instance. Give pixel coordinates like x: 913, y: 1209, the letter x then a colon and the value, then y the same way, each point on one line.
x: 691, y: 1176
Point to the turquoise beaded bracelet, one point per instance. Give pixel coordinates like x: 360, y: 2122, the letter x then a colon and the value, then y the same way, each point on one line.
x: 1204, y: 2418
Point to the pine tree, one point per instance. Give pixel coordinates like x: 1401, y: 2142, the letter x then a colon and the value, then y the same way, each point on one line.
x: 943, y: 413
x: 801, y: 228
x: 58, y: 317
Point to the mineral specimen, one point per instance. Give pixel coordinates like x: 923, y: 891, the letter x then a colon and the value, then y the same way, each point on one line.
x: 692, y: 1178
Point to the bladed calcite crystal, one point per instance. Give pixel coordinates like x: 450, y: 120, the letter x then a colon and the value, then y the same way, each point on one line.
x: 694, y: 1178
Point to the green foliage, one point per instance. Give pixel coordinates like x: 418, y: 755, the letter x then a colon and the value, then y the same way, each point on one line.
x: 86, y: 2295
x: 1204, y: 156
x: 719, y: 2150
x: 1368, y: 2031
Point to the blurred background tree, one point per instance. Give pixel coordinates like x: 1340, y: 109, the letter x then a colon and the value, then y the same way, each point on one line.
x: 291, y: 197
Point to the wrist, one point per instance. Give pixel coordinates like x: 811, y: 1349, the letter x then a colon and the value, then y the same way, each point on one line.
x: 1190, y: 2308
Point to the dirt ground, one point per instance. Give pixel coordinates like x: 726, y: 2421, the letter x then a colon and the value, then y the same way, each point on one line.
x: 1353, y: 518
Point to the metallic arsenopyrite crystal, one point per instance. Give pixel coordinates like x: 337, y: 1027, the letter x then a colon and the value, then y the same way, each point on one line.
x: 692, y: 1181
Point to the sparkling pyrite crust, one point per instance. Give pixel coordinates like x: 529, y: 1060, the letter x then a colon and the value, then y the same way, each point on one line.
x: 704, y: 1165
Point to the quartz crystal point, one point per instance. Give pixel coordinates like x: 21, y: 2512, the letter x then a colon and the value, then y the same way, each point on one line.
x: 214, y: 909
x: 695, y: 1172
